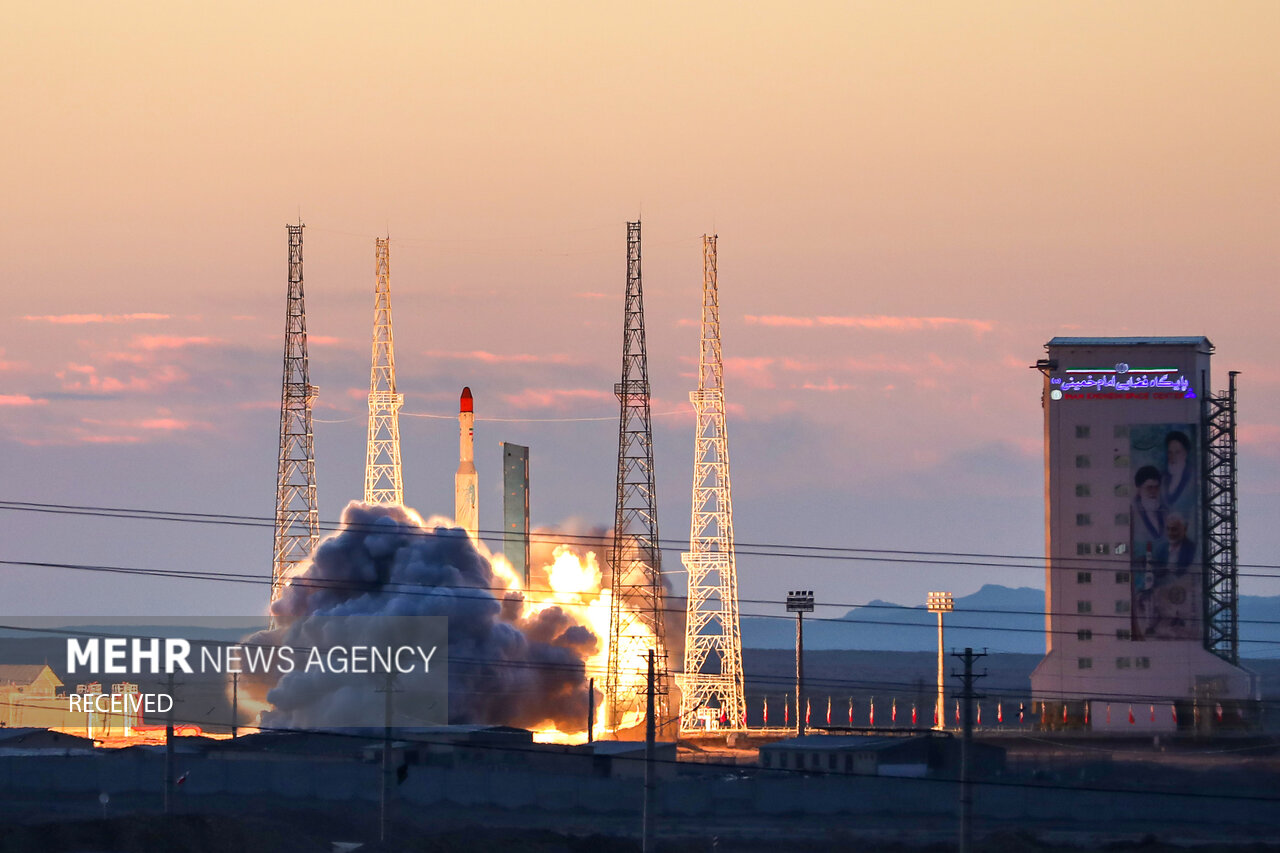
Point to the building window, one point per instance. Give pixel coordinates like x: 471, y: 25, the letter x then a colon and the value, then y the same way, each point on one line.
x: 1123, y: 663
x: 1084, y: 634
x: 1084, y: 577
x: 1122, y: 606
x: 848, y: 763
x: 831, y: 761
x: 1082, y: 431
x: 1084, y: 548
x: 1084, y: 606
x: 1122, y: 547
x: 1124, y: 634
x: 1121, y: 431
x: 1122, y: 490
x: 1083, y: 519
x: 1143, y: 663
x: 1121, y: 460
x: 1082, y: 490
x: 1102, y: 548
x: 1082, y: 461
x: 1122, y: 519
x: 1084, y: 663
x: 1122, y: 577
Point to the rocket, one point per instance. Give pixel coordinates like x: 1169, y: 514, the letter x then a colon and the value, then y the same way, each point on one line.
x: 466, y: 514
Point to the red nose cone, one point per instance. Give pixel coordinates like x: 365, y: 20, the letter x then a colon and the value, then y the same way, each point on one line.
x: 464, y: 404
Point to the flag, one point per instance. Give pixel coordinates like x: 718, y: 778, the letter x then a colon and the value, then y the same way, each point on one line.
x: 872, y: 720
x: 1153, y: 713
x: 1174, y: 710
x: 1130, y: 715
x: 957, y: 712
x: 935, y: 715
x: 851, y: 711
x: 786, y: 710
x: 1021, y: 712
x: 1086, y: 713
x: 1219, y: 711
x: 893, y: 713
x: 1108, y: 714
x: 1000, y: 713
x: 766, y: 710
x: 979, y: 713
x: 808, y: 711
x: 828, y: 712
x: 1064, y: 712
x: 913, y: 715
x: 182, y: 779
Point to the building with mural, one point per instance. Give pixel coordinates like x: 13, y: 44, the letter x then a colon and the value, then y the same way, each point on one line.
x: 1140, y: 571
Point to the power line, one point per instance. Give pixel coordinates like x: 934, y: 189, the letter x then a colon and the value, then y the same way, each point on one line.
x: 794, y: 551
x: 422, y: 589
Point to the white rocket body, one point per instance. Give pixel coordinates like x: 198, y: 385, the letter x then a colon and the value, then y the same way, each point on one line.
x: 466, y: 513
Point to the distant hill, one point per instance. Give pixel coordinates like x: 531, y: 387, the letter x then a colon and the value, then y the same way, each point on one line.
x: 996, y: 617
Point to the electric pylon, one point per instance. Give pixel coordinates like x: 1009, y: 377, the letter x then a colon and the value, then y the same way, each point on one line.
x: 297, y: 527
x: 712, y: 677
x: 382, y: 480
x: 636, y: 609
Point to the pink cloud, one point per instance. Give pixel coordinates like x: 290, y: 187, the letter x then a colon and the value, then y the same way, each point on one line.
x: 21, y: 400
x: 752, y: 372
x: 496, y: 358
x: 776, y: 320
x: 1259, y: 436
x: 325, y: 340
x: 86, y: 319
x: 872, y: 321
x: 592, y: 295
x: 555, y: 398
x: 829, y: 386
x: 168, y: 424
x: 164, y: 342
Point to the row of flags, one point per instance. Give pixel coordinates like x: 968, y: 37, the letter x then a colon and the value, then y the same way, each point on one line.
x: 915, y: 717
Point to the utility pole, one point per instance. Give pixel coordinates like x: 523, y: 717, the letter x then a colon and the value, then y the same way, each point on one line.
x: 168, y: 752
x: 800, y: 602
x: 384, y: 814
x: 591, y: 709
x: 966, y: 789
x: 650, y: 749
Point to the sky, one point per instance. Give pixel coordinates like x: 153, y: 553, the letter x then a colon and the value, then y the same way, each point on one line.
x: 910, y: 198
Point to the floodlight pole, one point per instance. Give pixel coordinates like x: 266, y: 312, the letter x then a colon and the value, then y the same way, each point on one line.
x: 800, y: 602
x: 940, y: 602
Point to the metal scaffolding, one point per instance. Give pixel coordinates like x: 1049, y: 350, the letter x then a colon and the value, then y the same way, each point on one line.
x: 382, y: 479
x: 712, y: 685
x: 297, y: 527
x: 636, y: 609
x: 1221, y: 596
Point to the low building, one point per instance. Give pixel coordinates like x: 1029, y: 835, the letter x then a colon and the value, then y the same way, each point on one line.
x: 926, y: 755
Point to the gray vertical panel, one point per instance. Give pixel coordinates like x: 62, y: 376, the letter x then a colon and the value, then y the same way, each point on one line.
x: 515, y: 508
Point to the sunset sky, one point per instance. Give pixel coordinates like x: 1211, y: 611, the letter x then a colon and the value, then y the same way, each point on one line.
x: 911, y: 199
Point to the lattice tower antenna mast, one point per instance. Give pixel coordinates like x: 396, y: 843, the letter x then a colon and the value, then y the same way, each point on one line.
x: 382, y: 480
x: 635, y: 619
x: 297, y: 517
x: 713, y: 637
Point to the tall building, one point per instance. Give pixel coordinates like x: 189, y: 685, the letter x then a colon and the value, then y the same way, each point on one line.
x: 1140, y: 548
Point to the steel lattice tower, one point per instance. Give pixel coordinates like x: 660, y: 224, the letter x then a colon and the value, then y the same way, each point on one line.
x: 297, y: 518
x: 636, y: 609
x: 1221, y: 602
x: 713, y: 639
x: 382, y: 480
